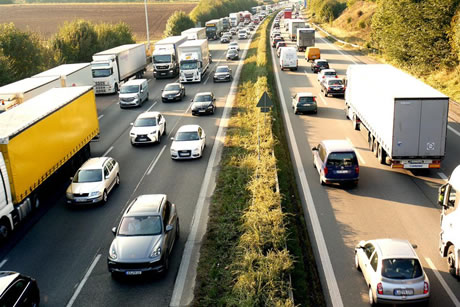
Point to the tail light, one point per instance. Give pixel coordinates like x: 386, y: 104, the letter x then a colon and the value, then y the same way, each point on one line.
x: 336, y: 76
x: 379, y: 288
x: 328, y: 88
x: 314, y: 99
x: 325, y: 170
x: 426, y: 288
x: 357, y: 169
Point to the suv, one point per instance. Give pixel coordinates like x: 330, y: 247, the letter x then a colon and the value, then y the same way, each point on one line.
x: 18, y: 290
x: 144, y: 237
x: 147, y: 128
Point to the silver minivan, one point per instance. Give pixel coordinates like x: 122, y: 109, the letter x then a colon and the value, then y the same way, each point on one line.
x: 133, y: 93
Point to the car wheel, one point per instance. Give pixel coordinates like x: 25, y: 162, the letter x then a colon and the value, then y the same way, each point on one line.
x: 213, y: 110
x: 165, y: 265
x: 104, y: 197
x: 158, y: 137
x: 164, y: 130
x: 357, y: 262
x: 325, y: 93
x: 371, y: 297
x: 117, y: 180
x: 451, y: 260
x: 295, y: 111
x: 321, y: 181
x: 147, y: 99
x: 177, y: 229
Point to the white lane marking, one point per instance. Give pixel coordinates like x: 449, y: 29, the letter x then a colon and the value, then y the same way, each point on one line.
x: 82, y: 283
x: 3, y: 262
x: 443, y: 282
x: 443, y: 176
x: 331, y: 281
x: 100, y: 116
x: 152, y: 106
x: 156, y: 160
x: 357, y: 153
x: 322, y: 99
x: 453, y: 130
x: 342, y: 53
x: 107, y: 152
x: 213, y: 160
x: 210, y: 69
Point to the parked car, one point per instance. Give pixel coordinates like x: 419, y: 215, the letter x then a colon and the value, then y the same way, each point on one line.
x: 225, y: 39
x: 318, y: 65
x: 145, y: 236
x: 325, y: 74
x: 336, y: 162
x: 188, y: 143
x: 147, y: 128
x: 304, y: 102
x: 275, y: 40
x: 392, y: 271
x: 18, y: 290
x: 133, y: 93
x: 334, y: 87
x: 234, y: 45
x: 203, y: 103
x: 93, y: 181
x: 173, y: 92
x: 232, y: 54
x: 222, y: 73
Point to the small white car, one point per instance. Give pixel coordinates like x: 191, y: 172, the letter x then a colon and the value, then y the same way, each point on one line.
x: 242, y: 34
x: 326, y: 73
x: 93, y: 181
x: 147, y: 128
x: 233, y: 45
x: 189, y: 142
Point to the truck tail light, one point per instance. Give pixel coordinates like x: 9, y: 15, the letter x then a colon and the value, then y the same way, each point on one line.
x: 396, y: 164
x: 426, y: 288
x: 435, y: 164
x: 325, y: 170
x: 379, y: 288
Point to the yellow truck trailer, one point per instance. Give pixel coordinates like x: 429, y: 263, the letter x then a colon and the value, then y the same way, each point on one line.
x: 37, y: 138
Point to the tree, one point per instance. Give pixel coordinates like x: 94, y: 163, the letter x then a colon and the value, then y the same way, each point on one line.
x: 109, y: 36
x: 178, y: 22
x: 5, y: 71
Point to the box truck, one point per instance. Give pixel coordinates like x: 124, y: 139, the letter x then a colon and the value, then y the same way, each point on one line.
x: 112, y: 67
x: 234, y: 19
x: 214, y: 29
x: 293, y: 25
x: 287, y: 13
x: 194, y: 59
x: 40, y: 137
x: 305, y: 38
x: 225, y: 23
x: 405, y: 119
x: 13, y: 94
x: 195, y: 33
x: 165, y: 58
x: 78, y: 74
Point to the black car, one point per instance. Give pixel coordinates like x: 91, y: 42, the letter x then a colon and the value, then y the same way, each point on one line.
x: 222, y: 73
x: 18, y: 290
x: 204, y: 103
x: 275, y: 40
x: 173, y: 92
x: 333, y: 86
x: 232, y: 54
x: 318, y: 65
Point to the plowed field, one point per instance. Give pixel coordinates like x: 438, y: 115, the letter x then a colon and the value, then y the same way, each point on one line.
x: 45, y: 19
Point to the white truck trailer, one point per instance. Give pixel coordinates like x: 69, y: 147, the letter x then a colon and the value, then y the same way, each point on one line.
x: 305, y: 38
x: 165, y: 58
x: 234, y: 19
x: 194, y: 59
x: 405, y: 119
x: 13, y: 94
x: 78, y: 74
x: 293, y: 25
x: 195, y: 33
x: 112, y: 67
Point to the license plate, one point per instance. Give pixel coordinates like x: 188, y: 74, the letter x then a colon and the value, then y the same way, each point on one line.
x: 163, y: 74
x: 412, y: 165
x: 133, y: 272
x: 403, y: 292
x: 80, y: 200
x: 184, y: 154
x: 202, y: 111
x: 170, y: 98
x: 342, y: 172
x: 142, y: 139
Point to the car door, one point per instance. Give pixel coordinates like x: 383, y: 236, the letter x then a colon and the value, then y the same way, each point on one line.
x: 161, y: 123
x: 316, y: 158
x: 113, y: 172
x: 368, y: 252
x: 202, y: 136
x: 107, y: 179
x: 373, y: 269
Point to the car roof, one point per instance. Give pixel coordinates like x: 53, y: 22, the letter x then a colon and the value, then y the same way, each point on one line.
x: 394, y: 248
x: 147, y: 203
x: 305, y: 94
x: 320, y: 60
x: 135, y: 82
x: 222, y: 66
x: 92, y: 163
x: 204, y: 94
x: 6, y: 278
x: 328, y: 70
x: 148, y: 114
x: 186, y: 128
x: 175, y: 83
x: 337, y: 145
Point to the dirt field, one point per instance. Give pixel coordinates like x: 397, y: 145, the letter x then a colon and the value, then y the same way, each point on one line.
x: 46, y: 18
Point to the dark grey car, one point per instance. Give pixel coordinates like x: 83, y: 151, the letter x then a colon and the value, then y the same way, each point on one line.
x: 204, y: 103
x: 145, y: 236
x: 222, y: 73
x: 173, y: 92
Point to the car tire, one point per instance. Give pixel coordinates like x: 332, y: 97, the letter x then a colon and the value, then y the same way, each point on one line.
x: 451, y: 260
x: 117, y: 180
x: 213, y: 110
x: 164, y: 130
x: 371, y: 298
x: 177, y: 229
x: 321, y: 181
x: 165, y: 265
x: 104, y: 197
x: 295, y: 111
x: 325, y: 93
x: 357, y: 262
x: 158, y: 137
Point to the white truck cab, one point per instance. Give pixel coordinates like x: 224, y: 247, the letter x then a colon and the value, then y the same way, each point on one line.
x: 449, y: 238
x: 105, y: 74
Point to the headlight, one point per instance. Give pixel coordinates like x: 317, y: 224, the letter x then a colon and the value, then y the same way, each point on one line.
x: 178, y: 94
x: 69, y: 195
x: 156, y: 252
x: 95, y: 193
x: 132, y: 134
x: 113, y: 252
x: 173, y: 151
x: 210, y: 106
x: 153, y: 132
x: 170, y: 70
x: 196, y: 150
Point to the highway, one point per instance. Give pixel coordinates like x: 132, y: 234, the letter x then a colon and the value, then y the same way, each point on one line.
x: 65, y: 248
x: 386, y: 203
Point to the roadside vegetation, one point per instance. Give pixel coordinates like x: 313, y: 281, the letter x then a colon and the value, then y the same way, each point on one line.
x: 421, y: 37
x: 212, y: 9
x: 255, y: 236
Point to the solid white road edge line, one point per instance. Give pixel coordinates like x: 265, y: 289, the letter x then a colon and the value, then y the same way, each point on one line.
x: 150, y: 169
x: 357, y: 152
x: 82, y: 283
x: 443, y: 282
x: 331, y: 281
x: 443, y: 176
x: 100, y: 116
x: 218, y: 142
x: 3, y: 262
x: 107, y: 152
x: 453, y: 130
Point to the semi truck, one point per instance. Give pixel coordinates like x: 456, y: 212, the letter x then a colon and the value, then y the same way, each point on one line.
x: 41, y: 137
x: 165, y: 58
x: 13, y: 94
x: 293, y: 25
x: 194, y: 59
x: 449, y: 237
x: 405, y: 119
x: 247, y: 17
x: 113, y: 66
x: 78, y: 74
x: 225, y: 23
x: 305, y: 38
x: 287, y: 13
x: 195, y: 33
x: 214, y: 29
x: 234, y: 19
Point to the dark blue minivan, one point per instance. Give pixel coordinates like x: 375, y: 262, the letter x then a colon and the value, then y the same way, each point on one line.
x: 336, y: 162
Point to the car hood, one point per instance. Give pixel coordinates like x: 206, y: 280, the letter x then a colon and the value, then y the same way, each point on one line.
x: 135, y: 247
x: 167, y: 93
x: 185, y: 145
x: 143, y: 130
x: 131, y: 95
x: 221, y: 74
x: 201, y: 104
x: 85, y: 187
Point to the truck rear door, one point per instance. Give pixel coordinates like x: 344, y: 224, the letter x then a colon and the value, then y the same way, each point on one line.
x: 433, y: 125
x: 406, y: 128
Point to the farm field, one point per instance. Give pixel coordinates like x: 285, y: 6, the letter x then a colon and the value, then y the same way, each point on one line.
x: 45, y: 19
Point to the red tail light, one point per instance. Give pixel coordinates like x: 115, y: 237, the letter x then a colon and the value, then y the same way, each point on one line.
x: 379, y: 288
x: 357, y: 169
x: 314, y: 99
x: 426, y: 288
x: 325, y: 170
x: 328, y: 88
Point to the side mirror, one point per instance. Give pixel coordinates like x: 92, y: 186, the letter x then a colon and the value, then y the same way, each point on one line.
x: 441, y: 192
x: 71, y: 178
x: 314, y: 148
x: 131, y: 124
x: 169, y: 228
x: 191, y: 100
x: 114, y: 230
x: 172, y: 139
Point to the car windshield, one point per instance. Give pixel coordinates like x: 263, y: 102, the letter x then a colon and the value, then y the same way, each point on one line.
x: 335, y: 82
x: 145, y: 122
x: 100, y: 73
x: 342, y: 159
x: 158, y: 59
x: 232, y: 51
x: 202, y: 98
x: 222, y: 69
x: 140, y: 226
x: 329, y: 73
x: 187, y: 136
x: 401, y: 268
x: 172, y: 87
x: 88, y: 175
x: 185, y: 65
x: 128, y: 89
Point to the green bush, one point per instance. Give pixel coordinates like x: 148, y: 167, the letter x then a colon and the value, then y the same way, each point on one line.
x: 349, y: 20
x: 362, y: 24
x: 212, y: 9
x: 6, y: 2
x: 112, y: 35
x: 327, y: 10
x: 178, y: 22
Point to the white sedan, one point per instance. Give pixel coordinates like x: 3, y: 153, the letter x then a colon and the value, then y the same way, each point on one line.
x: 326, y: 73
x: 189, y: 142
x: 147, y: 128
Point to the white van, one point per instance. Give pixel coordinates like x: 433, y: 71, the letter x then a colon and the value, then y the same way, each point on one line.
x: 288, y: 58
x: 133, y: 93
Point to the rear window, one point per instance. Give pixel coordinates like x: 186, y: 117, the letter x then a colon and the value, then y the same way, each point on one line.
x: 335, y: 82
x: 342, y: 159
x: 306, y: 99
x: 401, y: 268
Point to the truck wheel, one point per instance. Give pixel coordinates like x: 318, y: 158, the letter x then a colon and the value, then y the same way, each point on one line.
x: 115, y: 88
x: 451, y: 260
x: 381, y: 155
x: 35, y: 202
x: 4, y: 230
x: 355, y: 123
x: 375, y: 148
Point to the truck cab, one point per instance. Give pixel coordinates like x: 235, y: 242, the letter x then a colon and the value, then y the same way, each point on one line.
x: 105, y: 74
x: 449, y: 237
x: 164, y: 63
x: 190, y: 67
